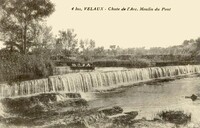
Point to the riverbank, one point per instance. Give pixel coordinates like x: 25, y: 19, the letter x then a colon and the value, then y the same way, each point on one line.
x: 82, y: 117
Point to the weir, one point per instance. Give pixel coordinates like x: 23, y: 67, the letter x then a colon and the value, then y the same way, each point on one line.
x: 89, y: 81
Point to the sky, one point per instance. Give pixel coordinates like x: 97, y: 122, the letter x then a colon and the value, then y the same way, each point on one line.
x: 129, y: 28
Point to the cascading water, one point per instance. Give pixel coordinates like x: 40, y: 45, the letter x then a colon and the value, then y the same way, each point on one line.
x: 88, y: 81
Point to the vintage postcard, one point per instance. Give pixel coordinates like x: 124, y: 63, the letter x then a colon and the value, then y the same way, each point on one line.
x: 99, y: 64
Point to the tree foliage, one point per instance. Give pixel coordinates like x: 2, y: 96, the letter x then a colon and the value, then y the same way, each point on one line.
x: 17, y: 19
x: 87, y: 49
x: 68, y: 41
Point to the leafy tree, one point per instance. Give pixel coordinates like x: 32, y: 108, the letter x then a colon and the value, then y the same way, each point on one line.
x: 186, y: 42
x: 196, y: 51
x: 198, y: 44
x: 42, y: 35
x: 114, y: 50
x: 68, y: 41
x: 87, y: 44
x: 17, y: 19
x: 99, y: 51
x: 87, y: 49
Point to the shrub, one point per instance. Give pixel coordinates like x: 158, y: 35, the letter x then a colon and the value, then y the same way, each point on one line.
x: 18, y: 67
x: 140, y: 63
x: 176, y: 117
x: 131, y: 63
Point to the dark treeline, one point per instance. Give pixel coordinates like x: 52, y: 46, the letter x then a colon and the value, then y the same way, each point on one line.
x: 31, y: 50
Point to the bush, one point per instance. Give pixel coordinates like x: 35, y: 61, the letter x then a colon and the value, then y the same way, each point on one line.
x: 131, y: 63
x: 18, y: 67
x: 176, y: 117
x: 140, y: 63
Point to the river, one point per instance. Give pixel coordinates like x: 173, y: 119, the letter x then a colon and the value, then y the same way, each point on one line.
x: 44, y: 102
x: 151, y: 99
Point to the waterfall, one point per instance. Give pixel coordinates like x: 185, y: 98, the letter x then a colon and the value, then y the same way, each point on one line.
x: 89, y: 81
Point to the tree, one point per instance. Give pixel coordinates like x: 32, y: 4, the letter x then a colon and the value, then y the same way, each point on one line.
x: 99, y: 52
x: 68, y: 41
x: 186, y: 42
x: 87, y: 49
x: 42, y: 36
x: 196, y: 51
x: 43, y: 40
x: 198, y: 44
x: 114, y: 49
x: 17, y: 19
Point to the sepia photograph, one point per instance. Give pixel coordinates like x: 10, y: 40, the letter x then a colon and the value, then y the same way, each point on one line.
x: 99, y: 64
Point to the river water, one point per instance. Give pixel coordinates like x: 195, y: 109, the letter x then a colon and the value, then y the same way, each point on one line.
x: 148, y: 100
